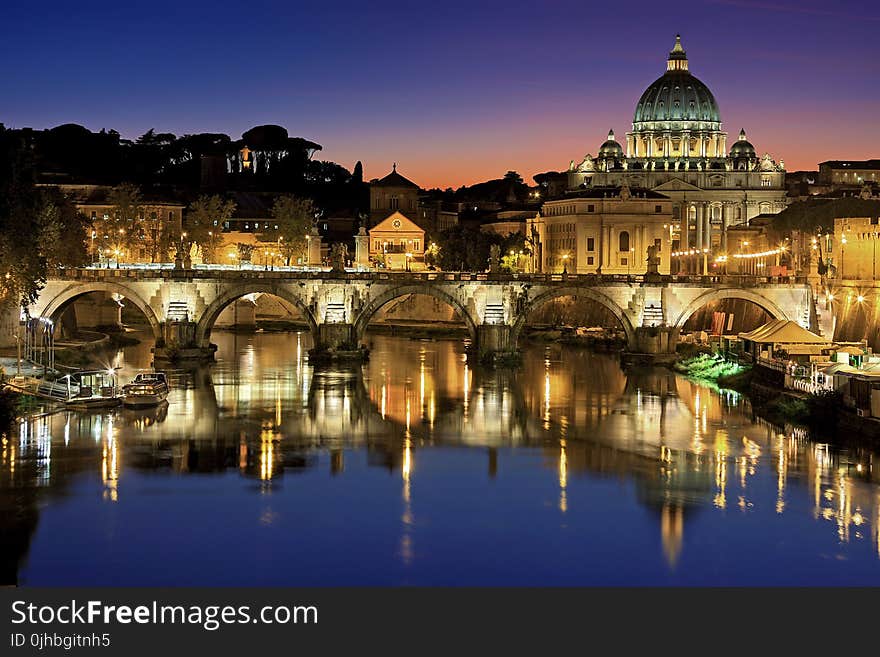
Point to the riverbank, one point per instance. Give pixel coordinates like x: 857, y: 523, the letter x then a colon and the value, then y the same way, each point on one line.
x: 765, y: 389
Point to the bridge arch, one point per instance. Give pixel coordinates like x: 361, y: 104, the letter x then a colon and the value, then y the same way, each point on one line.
x: 208, y: 318
x: 57, y: 304
x: 367, y: 312
x: 578, y: 292
x: 729, y: 293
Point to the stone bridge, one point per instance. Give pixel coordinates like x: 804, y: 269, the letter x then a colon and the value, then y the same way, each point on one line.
x: 182, y: 305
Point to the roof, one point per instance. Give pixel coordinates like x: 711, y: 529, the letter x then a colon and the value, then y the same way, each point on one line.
x: 851, y: 164
x: 783, y: 331
x: 99, y: 195
x: 612, y: 192
x: 394, y: 179
x: 405, y: 225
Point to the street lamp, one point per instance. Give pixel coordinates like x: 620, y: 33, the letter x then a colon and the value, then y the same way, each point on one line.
x: 408, y: 258
x: 565, y: 263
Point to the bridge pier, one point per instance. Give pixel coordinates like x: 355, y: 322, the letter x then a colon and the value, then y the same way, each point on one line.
x: 496, y: 344
x: 337, y: 341
x: 179, y: 344
x: 652, y: 345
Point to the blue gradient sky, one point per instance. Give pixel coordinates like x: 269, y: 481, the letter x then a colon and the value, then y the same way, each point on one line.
x: 454, y: 92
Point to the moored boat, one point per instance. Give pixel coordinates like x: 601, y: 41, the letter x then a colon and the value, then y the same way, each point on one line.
x: 146, y: 389
x: 85, y: 389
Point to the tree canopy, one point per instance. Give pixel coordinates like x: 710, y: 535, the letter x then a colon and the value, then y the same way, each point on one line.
x: 204, y: 224
x: 293, y: 220
x: 38, y: 229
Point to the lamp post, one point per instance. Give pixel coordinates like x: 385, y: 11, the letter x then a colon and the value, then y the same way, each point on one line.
x: 408, y: 258
x: 842, y: 245
x: 565, y: 263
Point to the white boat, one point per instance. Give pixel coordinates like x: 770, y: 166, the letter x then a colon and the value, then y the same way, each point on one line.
x: 146, y: 389
x: 85, y: 389
x: 80, y: 390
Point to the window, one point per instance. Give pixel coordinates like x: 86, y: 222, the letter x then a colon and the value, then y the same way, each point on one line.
x: 591, y: 244
x: 624, y: 261
x: 417, y: 245
x: 590, y: 260
x: 394, y: 203
x: 659, y: 244
x: 591, y: 208
x: 623, y: 241
x: 658, y: 209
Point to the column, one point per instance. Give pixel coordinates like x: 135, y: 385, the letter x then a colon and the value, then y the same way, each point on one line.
x: 698, y: 242
x: 707, y: 235
x: 684, y: 215
x: 726, y: 210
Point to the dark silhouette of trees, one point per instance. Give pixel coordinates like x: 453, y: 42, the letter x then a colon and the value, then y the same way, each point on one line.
x: 38, y: 230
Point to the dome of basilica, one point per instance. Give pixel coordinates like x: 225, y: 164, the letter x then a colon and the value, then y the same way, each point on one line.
x: 677, y: 97
x: 742, y: 147
x: 611, y: 148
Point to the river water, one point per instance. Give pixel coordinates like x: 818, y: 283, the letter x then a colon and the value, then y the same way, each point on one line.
x: 417, y: 469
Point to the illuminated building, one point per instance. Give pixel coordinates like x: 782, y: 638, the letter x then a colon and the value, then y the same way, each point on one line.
x: 604, y: 231
x: 849, y: 172
x: 677, y: 148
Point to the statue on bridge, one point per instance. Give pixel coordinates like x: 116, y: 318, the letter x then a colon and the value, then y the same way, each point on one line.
x: 494, y: 258
x: 338, y: 254
x: 653, y: 260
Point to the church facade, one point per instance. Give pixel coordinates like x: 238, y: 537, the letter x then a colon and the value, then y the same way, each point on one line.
x: 677, y: 148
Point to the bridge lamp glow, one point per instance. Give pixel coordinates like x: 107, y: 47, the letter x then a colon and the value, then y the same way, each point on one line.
x: 860, y: 298
x: 830, y: 296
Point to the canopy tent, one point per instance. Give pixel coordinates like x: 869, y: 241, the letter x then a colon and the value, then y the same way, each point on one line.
x: 783, y: 331
x: 788, y: 338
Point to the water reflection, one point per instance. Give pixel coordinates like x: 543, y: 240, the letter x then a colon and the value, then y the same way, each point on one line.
x: 638, y: 476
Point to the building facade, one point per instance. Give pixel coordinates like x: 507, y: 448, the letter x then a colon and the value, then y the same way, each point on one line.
x: 397, y: 242
x: 849, y: 172
x: 677, y: 148
x: 853, y: 251
x: 603, y: 231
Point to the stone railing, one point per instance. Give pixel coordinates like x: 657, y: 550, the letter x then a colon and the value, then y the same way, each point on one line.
x: 229, y: 273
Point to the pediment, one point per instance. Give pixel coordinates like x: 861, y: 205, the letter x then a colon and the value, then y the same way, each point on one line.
x: 677, y: 185
x: 397, y: 222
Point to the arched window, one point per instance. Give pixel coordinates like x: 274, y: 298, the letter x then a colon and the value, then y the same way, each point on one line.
x: 623, y: 241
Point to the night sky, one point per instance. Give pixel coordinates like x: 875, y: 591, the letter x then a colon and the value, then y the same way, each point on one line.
x: 456, y: 93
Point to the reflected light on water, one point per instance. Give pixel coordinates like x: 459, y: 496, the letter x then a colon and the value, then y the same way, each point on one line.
x: 657, y: 450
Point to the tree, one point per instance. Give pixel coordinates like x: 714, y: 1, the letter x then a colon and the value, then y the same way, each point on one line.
x: 293, y: 221
x: 204, y: 224
x: 466, y: 248
x: 38, y: 229
x: 121, y: 229
x: 22, y: 266
x: 64, y: 231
